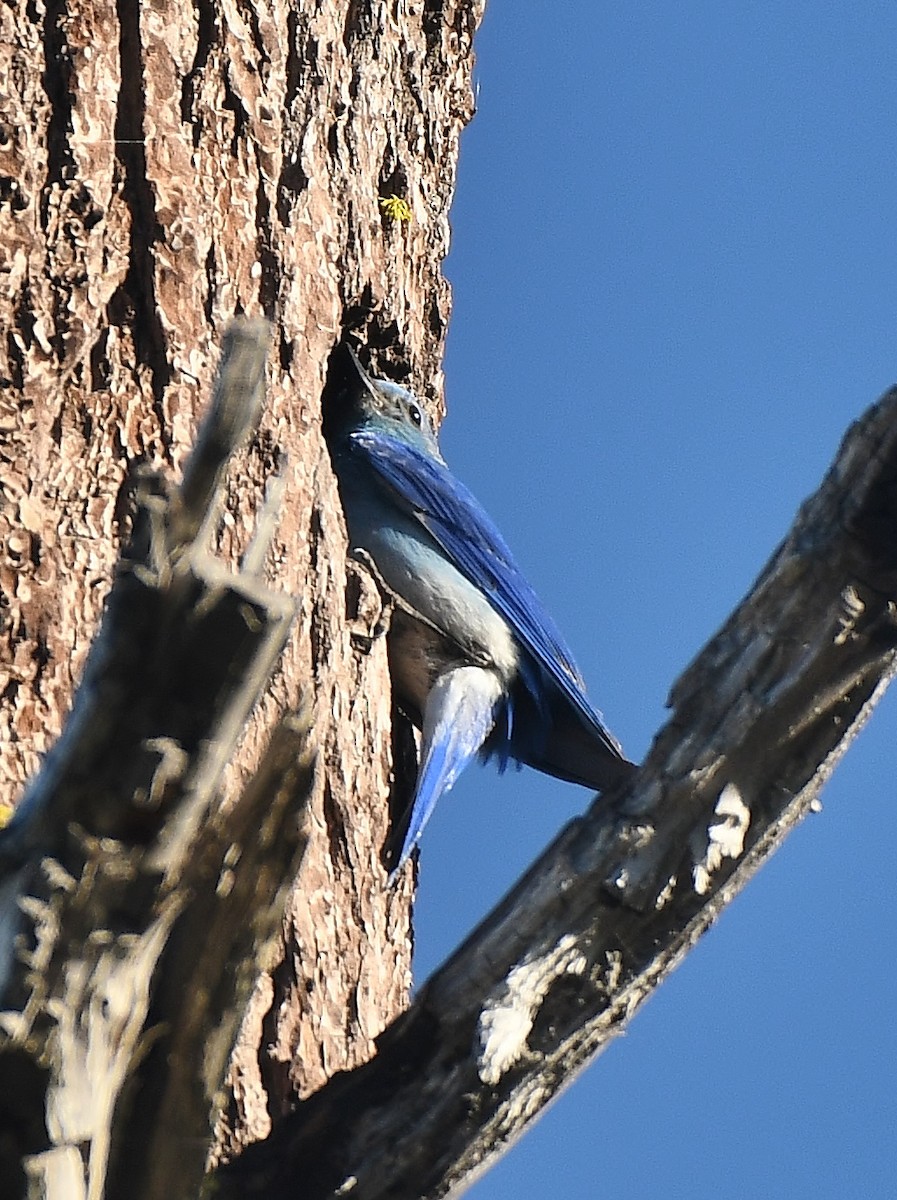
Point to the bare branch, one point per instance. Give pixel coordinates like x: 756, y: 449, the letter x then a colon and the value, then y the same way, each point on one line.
x: 759, y: 721
x: 118, y: 931
x: 235, y: 412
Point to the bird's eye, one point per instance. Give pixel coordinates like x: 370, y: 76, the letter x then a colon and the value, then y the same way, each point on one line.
x: 415, y: 414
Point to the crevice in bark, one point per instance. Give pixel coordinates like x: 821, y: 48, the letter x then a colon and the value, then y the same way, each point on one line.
x: 354, y: 26
x: 357, y: 311
x: 302, y: 55
x: 250, y: 15
x: 318, y: 623
x: 206, y: 34
x: 435, y: 321
x: 432, y: 20
x: 269, y: 284
x: 232, y: 102
x: 56, y: 81
x: 265, y: 448
x: 336, y: 832
x: 211, y: 283
x: 285, y: 352
x: 404, y: 776
x: 140, y: 284
x: 24, y: 317
x: 293, y: 181
x: 12, y: 194
x: 278, y: 1093
x: 15, y: 360
x: 100, y: 373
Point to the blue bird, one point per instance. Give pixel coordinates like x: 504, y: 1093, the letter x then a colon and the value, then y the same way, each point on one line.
x: 476, y: 662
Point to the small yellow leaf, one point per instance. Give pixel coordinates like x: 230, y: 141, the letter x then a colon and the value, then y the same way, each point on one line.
x: 396, y: 207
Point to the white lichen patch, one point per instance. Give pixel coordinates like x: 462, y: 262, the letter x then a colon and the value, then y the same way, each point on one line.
x: 852, y: 608
x: 506, y: 1020
x: 667, y: 894
x: 725, y: 837
x: 614, y: 960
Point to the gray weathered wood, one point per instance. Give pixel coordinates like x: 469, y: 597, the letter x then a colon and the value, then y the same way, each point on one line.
x: 122, y: 954
x: 758, y: 722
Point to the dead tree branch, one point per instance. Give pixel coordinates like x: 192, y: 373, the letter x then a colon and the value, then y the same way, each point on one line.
x: 759, y: 721
x: 132, y: 912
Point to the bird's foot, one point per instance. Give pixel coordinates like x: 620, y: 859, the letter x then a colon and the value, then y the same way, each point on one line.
x: 368, y: 602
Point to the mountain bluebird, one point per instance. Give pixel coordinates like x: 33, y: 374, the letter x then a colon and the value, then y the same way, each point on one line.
x: 476, y: 662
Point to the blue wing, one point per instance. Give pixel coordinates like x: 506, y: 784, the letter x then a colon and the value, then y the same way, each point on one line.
x: 425, y: 487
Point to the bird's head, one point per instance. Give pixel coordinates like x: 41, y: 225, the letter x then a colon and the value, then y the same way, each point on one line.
x: 383, y: 405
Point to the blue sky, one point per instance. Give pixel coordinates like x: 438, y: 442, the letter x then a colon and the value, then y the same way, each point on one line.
x: 675, y: 271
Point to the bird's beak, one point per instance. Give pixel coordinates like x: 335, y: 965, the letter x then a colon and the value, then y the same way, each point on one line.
x: 365, y: 378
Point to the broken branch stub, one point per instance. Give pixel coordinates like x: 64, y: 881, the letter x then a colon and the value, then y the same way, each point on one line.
x: 112, y: 843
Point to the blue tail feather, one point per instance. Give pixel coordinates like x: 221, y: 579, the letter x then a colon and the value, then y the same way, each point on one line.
x: 460, y: 714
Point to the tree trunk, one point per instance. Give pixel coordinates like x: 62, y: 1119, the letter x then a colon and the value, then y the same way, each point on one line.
x: 161, y: 169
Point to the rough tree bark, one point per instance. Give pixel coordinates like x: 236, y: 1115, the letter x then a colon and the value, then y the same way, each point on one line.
x: 161, y: 169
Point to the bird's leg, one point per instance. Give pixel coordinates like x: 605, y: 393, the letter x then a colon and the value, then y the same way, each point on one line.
x: 369, y: 603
